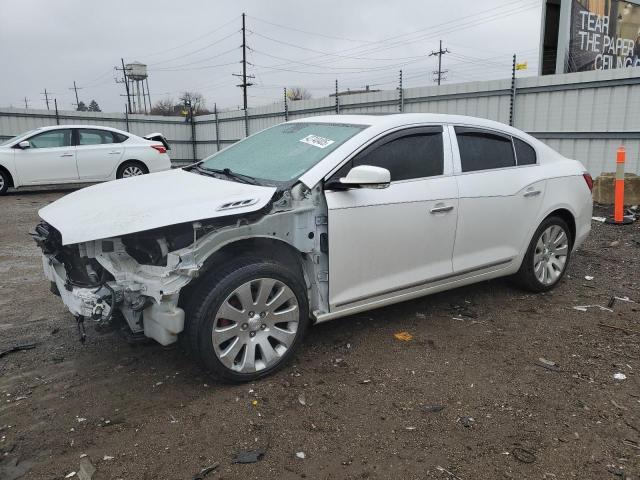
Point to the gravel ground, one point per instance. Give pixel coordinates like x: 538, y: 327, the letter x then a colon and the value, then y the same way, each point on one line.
x: 463, y: 399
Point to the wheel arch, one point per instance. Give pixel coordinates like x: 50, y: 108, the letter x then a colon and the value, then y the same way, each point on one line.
x: 568, y: 218
x: 6, y: 171
x: 262, y: 247
x: 130, y: 160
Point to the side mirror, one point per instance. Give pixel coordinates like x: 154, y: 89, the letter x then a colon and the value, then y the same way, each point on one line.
x: 24, y: 144
x: 363, y: 176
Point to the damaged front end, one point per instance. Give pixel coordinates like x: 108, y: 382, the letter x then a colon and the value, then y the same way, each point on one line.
x: 137, y: 278
x: 134, y: 277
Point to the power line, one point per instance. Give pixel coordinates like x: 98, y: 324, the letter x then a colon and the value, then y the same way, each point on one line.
x: 310, y: 33
x: 195, y: 51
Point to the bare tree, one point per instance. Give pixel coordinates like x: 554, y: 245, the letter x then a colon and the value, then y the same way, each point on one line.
x: 166, y: 106
x: 298, y: 93
x: 195, y: 99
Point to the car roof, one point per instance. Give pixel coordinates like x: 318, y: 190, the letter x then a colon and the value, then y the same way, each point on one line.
x: 386, y: 121
x: 92, y: 127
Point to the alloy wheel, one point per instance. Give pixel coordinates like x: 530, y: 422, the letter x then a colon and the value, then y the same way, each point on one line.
x: 550, y: 256
x: 1, y: 183
x: 132, y: 171
x: 255, y: 325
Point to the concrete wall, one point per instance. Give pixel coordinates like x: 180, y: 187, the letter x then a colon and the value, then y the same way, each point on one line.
x: 582, y: 115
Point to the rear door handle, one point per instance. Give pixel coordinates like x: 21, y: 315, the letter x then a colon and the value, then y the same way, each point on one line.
x: 446, y: 208
x: 532, y: 193
x: 114, y: 152
x: 67, y: 155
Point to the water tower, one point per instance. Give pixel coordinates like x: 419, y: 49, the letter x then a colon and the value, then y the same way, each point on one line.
x: 137, y: 78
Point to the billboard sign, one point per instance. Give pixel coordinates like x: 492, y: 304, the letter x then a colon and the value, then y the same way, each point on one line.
x: 603, y: 34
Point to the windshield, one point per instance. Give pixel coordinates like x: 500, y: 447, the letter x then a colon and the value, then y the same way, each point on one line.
x: 284, y: 152
x: 7, y: 142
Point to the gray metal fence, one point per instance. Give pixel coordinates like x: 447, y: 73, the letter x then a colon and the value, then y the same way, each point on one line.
x: 582, y: 115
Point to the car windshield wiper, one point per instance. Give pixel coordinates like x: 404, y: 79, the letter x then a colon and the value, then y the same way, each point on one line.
x: 227, y: 172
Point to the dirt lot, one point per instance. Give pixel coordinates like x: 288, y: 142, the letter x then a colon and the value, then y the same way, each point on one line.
x: 147, y: 413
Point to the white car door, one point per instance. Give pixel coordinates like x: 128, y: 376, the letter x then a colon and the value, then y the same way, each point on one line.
x: 384, y: 240
x: 98, y: 153
x: 500, y: 198
x: 50, y: 158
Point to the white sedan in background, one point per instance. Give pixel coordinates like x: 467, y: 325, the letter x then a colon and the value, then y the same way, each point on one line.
x: 309, y: 221
x: 78, y: 153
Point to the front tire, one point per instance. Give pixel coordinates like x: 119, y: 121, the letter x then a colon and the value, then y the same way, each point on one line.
x: 547, y: 257
x: 4, y: 182
x: 247, y: 319
x: 131, y: 169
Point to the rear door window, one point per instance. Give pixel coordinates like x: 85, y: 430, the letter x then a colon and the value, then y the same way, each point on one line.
x: 484, y: 149
x: 94, y: 137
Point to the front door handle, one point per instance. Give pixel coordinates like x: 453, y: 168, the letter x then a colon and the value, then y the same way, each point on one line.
x: 114, y: 153
x: 532, y: 193
x: 446, y: 208
x: 67, y: 155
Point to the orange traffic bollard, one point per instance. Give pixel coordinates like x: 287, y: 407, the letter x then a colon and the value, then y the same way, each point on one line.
x: 618, y: 206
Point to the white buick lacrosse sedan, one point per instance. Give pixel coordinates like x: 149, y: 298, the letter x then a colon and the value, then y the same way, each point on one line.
x: 309, y: 221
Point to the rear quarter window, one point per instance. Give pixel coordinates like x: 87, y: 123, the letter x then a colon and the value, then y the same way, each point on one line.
x: 525, y: 153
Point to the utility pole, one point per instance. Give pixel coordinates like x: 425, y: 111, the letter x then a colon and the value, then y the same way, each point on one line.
x: 46, y: 97
x: 126, y: 83
x: 337, y: 99
x: 55, y: 103
x: 26, y: 103
x: 75, y: 89
x: 439, y: 53
x: 244, y: 75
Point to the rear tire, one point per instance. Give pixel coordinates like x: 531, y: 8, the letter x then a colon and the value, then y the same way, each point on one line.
x: 131, y: 168
x: 547, y: 257
x: 246, y: 319
x: 5, y: 181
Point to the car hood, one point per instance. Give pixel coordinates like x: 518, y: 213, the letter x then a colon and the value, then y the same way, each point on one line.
x: 146, y: 202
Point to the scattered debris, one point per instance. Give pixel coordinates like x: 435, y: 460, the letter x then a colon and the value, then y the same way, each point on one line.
x: 107, y: 457
x: 302, y: 399
x: 450, y: 474
x: 366, y: 380
x: 421, y: 316
x: 619, y: 376
x: 599, y: 219
x: 70, y: 475
x: 467, y: 421
x: 17, y: 348
x: 588, y: 277
x: 617, y: 405
x: 434, y: 408
x: 205, y: 471
x: 548, y: 364
x: 249, y: 456
x: 612, y: 300
x: 631, y: 443
x: 301, y: 455
x: 254, y: 403
x: 403, y: 336
x: 86, y: 470
x: 624, y: 299
x: 628, y: 331
x: 81, y: 419
x: 523, y: 455
x: 583, y: 308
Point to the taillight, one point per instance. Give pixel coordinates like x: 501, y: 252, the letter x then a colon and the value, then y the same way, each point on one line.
x: 159, y: 148
x: 589, y: 180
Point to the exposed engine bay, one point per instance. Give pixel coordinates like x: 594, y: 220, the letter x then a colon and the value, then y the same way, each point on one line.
x: 136, y: 279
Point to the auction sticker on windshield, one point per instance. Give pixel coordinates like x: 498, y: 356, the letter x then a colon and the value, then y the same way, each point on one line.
x: 317, y: 141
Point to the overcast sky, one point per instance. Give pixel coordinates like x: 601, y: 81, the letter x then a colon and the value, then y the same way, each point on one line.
x: 195, y: 45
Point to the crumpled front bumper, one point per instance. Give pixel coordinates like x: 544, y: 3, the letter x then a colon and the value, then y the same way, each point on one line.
x: 160, y: 321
